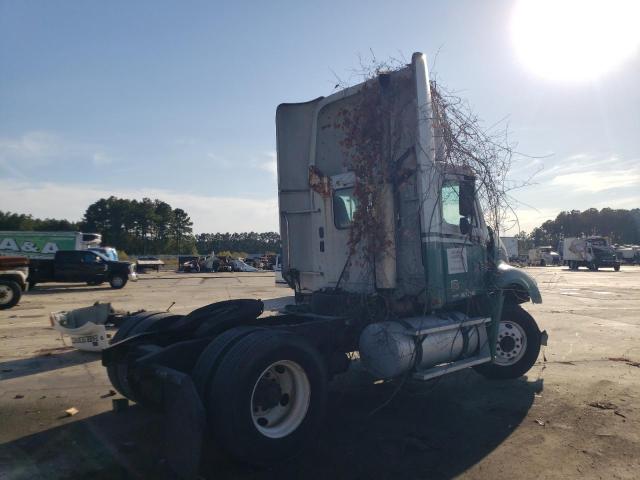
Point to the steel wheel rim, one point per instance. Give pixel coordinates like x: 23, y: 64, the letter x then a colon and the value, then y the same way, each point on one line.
x: 6, y: 294
x: 280, y: 399
x: 511, y: 343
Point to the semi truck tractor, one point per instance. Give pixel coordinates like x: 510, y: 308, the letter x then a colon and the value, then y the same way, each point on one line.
x: 435, y: 300
x: 591, y: 252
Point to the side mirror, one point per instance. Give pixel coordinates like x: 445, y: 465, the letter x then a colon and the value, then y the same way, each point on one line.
x: 465, y: 226
x: 467, y: 197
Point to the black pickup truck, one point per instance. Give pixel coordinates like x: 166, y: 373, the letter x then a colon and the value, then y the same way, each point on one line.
x: 81, y: 266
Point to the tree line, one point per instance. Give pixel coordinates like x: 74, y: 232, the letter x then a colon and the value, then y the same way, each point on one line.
x: 146, y: 227
x: 21, y: 222
x: 621, y: 226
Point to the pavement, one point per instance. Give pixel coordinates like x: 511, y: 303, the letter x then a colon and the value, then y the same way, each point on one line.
x: 575, y: 414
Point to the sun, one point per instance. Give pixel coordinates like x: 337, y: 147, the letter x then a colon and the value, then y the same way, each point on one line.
x: 575, y: 40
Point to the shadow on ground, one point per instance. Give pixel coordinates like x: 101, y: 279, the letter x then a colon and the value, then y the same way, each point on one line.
x: 433, y: 430
x: 48, y: 360
x: 68, y: 287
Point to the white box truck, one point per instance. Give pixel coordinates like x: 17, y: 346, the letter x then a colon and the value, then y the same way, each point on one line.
x: 591, y: 252
x: 543, y: 256
x: 510, y: 245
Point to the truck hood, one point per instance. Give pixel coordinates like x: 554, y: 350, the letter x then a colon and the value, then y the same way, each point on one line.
x: 507, y: 276
x: 122, y: 265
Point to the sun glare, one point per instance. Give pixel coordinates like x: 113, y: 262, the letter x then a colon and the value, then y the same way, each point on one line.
x: 575, y: 40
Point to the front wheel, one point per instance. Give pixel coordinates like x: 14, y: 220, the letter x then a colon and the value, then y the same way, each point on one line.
x: 117, y: 281
x: 267, y: 397
x: 10, y: 293
x: 517, y: 345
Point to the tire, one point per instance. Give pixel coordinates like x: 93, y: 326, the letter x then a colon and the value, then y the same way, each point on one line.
x: 517, y: 328
x: 212, y: 355
x: 616, y: 268
x: 543, y: 263
x: 118, y: 281
x: 119, y: 373
x: 10, y: 294
x: 255, y: 378
x: 593, y: 267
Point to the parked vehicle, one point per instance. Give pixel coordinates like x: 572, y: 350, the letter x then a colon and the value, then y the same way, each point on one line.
x: 74, y: 266
x: 511, y: 247
x: 14, y: 272
x: 543, y: 256
x: 591, y: 252
x: 148, y: 263
x: 239, y: 266
x: 191, y: 266
x: 629, y: 254
x: 438, y: 300
x: 45, y: 244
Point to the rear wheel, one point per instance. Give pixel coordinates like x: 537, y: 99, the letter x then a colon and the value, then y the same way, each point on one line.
x: 616, y: 268
x: 10, y: 293
x: 517, y: 345
x: 267, y: 397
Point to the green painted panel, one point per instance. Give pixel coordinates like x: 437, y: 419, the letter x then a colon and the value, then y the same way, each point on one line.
x: 34, y: 244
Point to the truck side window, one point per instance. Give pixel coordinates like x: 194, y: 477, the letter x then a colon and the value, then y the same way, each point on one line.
x: 450, y: 198
x: 344, y: 207
x: 89, y: 258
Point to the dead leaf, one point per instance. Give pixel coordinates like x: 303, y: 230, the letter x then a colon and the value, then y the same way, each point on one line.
x: 110, y: 394
x: 603, y: 405
x: 71, y: 411
x: 540, y: 422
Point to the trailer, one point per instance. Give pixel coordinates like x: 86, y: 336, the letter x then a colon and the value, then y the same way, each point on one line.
x: 45, y: 244
x: 435, y: 300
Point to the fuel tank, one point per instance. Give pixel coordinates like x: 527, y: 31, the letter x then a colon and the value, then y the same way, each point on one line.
x: 389, y: 349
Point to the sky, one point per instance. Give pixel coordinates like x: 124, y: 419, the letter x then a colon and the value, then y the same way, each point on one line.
x: 176, y: 100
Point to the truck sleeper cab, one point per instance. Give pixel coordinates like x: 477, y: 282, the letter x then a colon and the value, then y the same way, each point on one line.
x: 434, y: 300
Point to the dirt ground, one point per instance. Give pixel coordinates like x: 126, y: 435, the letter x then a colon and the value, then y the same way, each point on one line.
x: 575, y: 415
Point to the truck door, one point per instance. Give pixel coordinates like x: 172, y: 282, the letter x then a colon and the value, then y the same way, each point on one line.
x: 66, y: 265
x: 92, y: 268
x: 464, y: 254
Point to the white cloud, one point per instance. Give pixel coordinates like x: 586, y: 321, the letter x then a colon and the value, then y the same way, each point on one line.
x: 270, y: 165
x: 101, y: 159
x: 33, y: 147
x: 597, y: 181
x: 209, y: 213
x: 38, y: 148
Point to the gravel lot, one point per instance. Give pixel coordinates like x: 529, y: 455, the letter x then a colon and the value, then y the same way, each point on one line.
x: 575, y: 416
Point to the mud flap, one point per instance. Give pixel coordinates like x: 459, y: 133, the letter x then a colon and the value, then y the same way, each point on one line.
x: 185, y: 422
